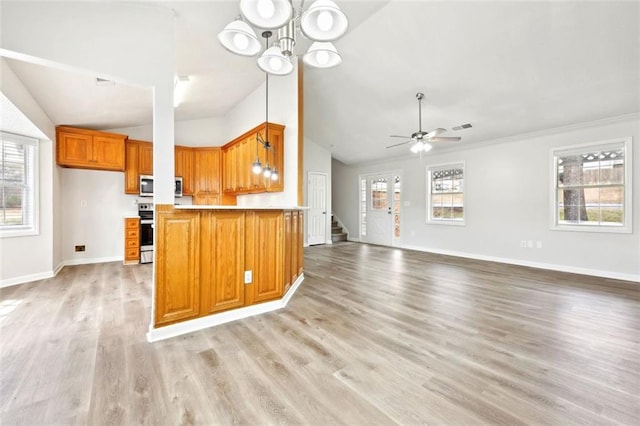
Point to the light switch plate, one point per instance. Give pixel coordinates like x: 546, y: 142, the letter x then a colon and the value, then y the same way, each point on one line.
x: 248, y: 277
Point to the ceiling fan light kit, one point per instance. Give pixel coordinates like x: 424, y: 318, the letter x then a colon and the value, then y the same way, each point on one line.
x: 422, y: 140
x: 322, y: 23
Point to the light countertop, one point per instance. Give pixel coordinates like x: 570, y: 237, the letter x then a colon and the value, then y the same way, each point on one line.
x: 216, y: 207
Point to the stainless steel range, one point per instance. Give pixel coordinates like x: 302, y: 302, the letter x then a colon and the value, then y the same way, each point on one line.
x: 145, y: 211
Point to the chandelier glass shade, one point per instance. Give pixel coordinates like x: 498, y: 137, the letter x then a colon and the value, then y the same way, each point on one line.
x: 322, y: 23
x: 421, y: 146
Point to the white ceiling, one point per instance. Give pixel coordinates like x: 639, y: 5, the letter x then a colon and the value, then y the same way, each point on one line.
x: 506, y: 67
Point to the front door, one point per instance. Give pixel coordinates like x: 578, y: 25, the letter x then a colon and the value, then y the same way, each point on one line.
x: 379, y: 222
x: 317, y: 200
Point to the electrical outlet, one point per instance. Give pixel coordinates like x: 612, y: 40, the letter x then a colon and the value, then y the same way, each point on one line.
x: 83, y: 203
x: 523, y: 244
x: 248, y: 277
x: 80, y: 248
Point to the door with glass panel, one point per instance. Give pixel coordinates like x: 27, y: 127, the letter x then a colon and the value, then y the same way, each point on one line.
x: 380, y: 209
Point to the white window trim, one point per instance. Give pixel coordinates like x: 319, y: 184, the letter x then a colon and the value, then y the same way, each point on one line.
x: 448, y: 222
x: 628, y: 202
x: 24, y: 231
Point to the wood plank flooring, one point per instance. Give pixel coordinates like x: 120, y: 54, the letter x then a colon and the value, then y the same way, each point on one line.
x: 374, y: 336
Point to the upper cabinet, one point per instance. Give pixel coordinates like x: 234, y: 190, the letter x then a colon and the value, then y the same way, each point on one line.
x: 184, y: 168
x: 207, y: 175
x: 239, y: 155
x: 139, y: 161
x: 90, y: 149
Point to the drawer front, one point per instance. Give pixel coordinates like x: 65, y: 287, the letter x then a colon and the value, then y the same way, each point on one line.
x: 132, y: 233
x: 132, y: 254
x: 132, y: 243
x: 132, y: 223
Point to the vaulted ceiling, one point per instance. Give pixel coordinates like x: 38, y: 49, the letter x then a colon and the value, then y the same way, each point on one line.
x: 508, y: 68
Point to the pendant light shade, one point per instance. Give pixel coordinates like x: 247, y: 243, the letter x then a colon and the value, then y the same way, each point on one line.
x: 267, y: 14
x: 322, y: 55
x: 239, y: 38
x: 272, y: 61
x: 323, y: 21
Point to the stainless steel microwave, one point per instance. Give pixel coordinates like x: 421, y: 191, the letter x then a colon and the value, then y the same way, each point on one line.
x: 146, y: 186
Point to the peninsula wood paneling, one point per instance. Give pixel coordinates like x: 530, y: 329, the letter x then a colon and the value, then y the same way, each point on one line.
x: 177, y: 265
x: 289, y: 265
x: 268, y: 262
x: 222, y: 274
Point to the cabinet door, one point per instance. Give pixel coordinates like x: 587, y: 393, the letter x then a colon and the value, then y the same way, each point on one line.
x: 207, y: 199
x: 108, y: 153
x: 222, y: 278
x: 184, y: 168
x: 300, y: 244
x: 257, y: 151
x: 243, y: 167
x: 131, y: 173
x: 145, y: 162
x: 294, y: 240
x: 73, y: 149
x: 177, y: 265
x: 276, y: 156
x: 288, y: 264
x: 207, y: 170
x: 268, y: 255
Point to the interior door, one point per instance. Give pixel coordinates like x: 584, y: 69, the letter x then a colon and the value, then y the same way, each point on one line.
x: 380, y: 189
x: 317, y: 200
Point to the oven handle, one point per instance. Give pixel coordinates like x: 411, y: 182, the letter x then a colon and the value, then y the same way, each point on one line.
x: 146, y: 222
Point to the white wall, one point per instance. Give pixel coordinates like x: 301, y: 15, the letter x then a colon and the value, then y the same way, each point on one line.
x: 507, y: 200
x: 316, y: 159
x: 202, y: 132
x: 32, y: 257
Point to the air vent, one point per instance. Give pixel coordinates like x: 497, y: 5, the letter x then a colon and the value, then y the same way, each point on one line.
x: 462, y: 126
x: 104, y: 82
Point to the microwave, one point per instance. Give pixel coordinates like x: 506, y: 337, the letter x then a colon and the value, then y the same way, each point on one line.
x: 146, y: 186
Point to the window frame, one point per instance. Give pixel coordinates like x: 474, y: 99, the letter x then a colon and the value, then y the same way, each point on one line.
x: 626, y: 227
x: 445, y: 166
x: 9, y: 231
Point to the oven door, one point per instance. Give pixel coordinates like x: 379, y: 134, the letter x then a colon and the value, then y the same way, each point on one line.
x: 146, y: 240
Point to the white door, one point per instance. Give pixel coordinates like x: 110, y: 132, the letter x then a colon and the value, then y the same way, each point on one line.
x: 380, y: 190
x: 317, y: 215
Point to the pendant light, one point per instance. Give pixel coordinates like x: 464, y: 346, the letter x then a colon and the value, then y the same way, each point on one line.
x: 268, y: 172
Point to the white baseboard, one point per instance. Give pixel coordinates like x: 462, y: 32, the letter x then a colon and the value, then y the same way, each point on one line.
x: 539, y: 265
x: 26, y: 279
x: 174, y: 330
x: 85, y: 261
x: 50, y: 274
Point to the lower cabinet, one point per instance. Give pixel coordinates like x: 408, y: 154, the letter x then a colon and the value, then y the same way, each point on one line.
x: 177, y: 265
x: 222, y: 276
x: 131, y: 240
x: 203, y: 255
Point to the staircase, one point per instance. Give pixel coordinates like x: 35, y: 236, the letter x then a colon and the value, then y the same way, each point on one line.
x: 337, y: 233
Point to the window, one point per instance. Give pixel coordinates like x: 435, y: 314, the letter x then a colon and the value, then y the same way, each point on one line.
x: 18, y: 191
x: 379, y: 194
x: 445, y: 194
x: 592, y: 187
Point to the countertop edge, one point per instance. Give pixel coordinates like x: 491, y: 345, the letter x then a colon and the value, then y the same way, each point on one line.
x: 217, y: 207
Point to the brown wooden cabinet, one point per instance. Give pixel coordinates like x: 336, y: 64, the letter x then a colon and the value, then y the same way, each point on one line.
x: 207, y: 175
x: 184, y: 168
x: 265, y: 233
x: 239, y: 155
x: 202, y: 256
x: 139, y: 161
x: 89, y: 149
x: 177, y: 265
x: 222, y: 278
x: 131, y: 240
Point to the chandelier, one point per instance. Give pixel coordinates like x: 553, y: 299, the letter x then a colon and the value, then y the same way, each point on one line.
x: 322, y: 23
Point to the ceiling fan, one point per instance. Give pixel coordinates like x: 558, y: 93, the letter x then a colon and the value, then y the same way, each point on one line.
x: 420, y: 139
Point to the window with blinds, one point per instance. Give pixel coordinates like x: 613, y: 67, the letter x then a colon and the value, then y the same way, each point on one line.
x: 592, y: 187
x: 445, y: 194
x: 18, y: 189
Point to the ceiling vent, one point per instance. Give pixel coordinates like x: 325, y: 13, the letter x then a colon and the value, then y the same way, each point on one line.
x: 104, y: 82
x: 462, y: 126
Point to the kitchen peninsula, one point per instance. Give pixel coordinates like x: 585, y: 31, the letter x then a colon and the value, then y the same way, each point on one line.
x: 216, y: 263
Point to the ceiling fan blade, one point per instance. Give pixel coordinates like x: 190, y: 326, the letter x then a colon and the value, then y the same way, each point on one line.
x: 444, y: 139
x: 436, y: 132
x: 398, y: 136
x: 401, y: 143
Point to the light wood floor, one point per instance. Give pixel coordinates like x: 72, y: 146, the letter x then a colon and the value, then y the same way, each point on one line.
x: 373, y: 336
